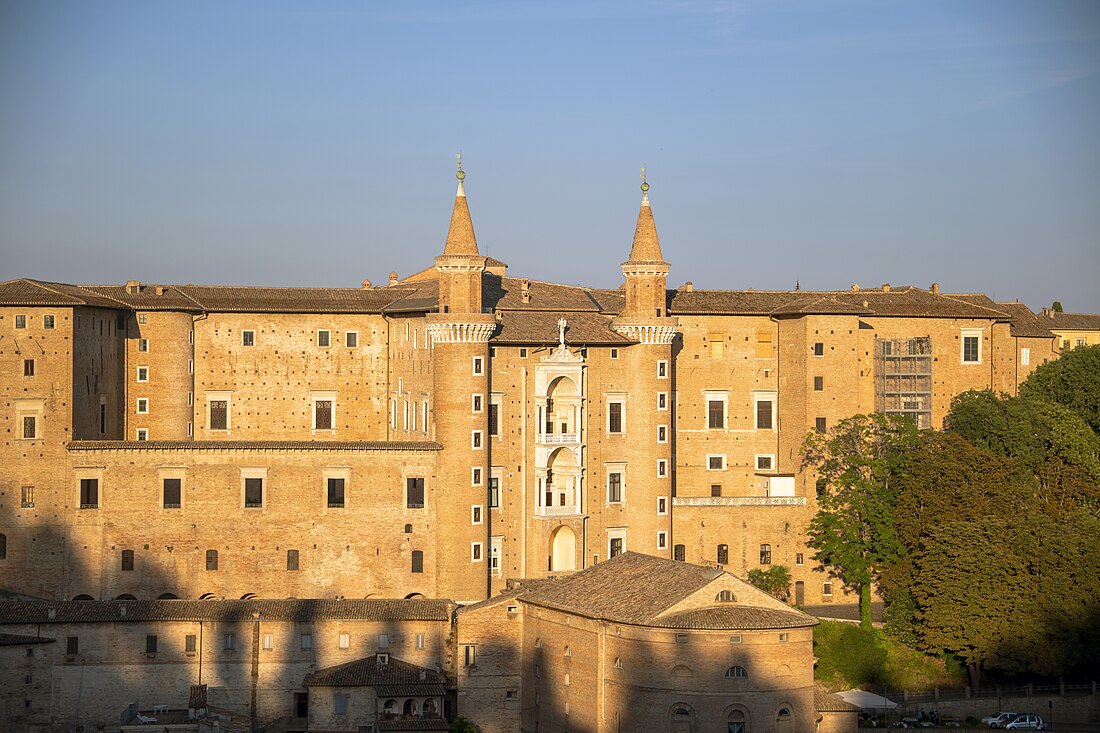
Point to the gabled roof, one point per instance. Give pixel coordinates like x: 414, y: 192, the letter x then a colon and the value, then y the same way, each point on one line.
x: 238, y: 299
x: 525, y: 327
x: 25, y: 291
x: 827, y: 702
x: 282, y: 609
x: 371, y: 672
x: 1073, y: 321
x: 1024, y: 322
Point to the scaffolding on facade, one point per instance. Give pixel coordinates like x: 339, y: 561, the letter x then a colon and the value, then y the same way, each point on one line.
x: 903, y: 378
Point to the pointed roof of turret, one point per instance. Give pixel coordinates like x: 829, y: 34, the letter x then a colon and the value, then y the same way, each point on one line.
x: 646, y: 248
x: 460, y: 236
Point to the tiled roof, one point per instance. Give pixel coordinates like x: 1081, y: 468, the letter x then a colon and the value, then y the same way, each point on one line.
x: 460, y: 234
x: 646, y: 246
x: 506, y: 293
x: 20, y: 640
x: 369, y: 672
x: 236, y: 299
x: 1025, y: 323
x: 419, y: 296
x: 282, y: 609
x: 38, y: 292
x: 210, y: 445
x: 149, y: 297
x: 1073, y: 321
x: 525, y: 327
x: 413, y: 725
x: 410, y: 690
x: 827, y: 702
x: 636, y: 589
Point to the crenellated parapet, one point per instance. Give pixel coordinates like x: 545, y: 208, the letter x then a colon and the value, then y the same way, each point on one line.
x: 657, y: 332
x: 470, y: 330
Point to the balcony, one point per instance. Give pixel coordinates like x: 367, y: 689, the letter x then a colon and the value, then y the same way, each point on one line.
x: 559, y: 438
x: 739, y: 501
x: 557, y: 511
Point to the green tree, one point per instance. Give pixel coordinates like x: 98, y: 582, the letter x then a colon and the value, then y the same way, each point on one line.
x: 853, y: 533
x: 775, y: 581
x: 1072, y: 380
x: 1057, y: 307
x: 461, y: 725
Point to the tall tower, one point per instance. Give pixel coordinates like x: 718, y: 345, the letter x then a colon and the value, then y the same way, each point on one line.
x: 460, y: 335
x: 650, y: 408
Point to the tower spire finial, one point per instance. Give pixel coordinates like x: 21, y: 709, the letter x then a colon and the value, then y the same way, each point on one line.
x: 645, y: 189
x: 460, y: 175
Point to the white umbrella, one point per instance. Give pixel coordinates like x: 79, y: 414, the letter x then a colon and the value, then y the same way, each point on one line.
x: 867, y: 700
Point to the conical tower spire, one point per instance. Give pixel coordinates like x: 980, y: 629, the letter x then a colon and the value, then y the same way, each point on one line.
x: 646, y: 247
x: 460, y: 235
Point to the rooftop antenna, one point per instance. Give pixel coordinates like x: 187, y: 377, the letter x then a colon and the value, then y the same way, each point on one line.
x: 645, y: 189
x: 797, y: 286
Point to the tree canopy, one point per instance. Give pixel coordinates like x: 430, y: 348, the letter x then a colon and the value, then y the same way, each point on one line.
x: 1072, y: 380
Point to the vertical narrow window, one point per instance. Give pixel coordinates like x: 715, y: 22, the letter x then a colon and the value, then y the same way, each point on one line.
x: 419, y: 641
x: 662, y: 505
x: 723, y: 554
x: 765, y: 554
x: 1025, y: 356
x: 478, y: 366
x: 230, y: 642
x: 475, y: 476
x: 172, y: 493
x: 127, y: 560
x: 418, y: 561
x: 253, y: 492
x: 819, y: 424
x: 211, y: 559
x: 971, y: 347
x: 28, y: 367
x: 475, y: 403
x: 322, y: 414
x: 351, y: 339
x: 306, y: 641
x: 662, y: 540
x: 819, y: 384
x: 819, y: 349
x: 150, y: 644
x: 716, y: 414
x: 494, y: 492
x: 679, y: 552
x: 494, y: 415
x: 72, y: 645
x: 3, y: 546
x: 30, y: 427
x: 190, y: 643
x: 475, y: 551
x: 799, y: 558
x: 414, y: 493
x: 475, y: 514
x: 763, y: 414
x: 102, y: 418
x: 615, y: 417
x: 614, y: 487
x: 469, y: 655
x: 323, y: 338
x: 616, y: 547
x: 662, y: 433
x: 662, y: 370
x: 763, y: 345
x: 248, y: 338
x: 268, y: 642
x: 219, y: 415
x: 291, y: 559
x: 89, y: 493
x: 662, y: 468
x: 475, y: 439
x: 335, y: 491
x: 662, y: 400
x: 26, y: 496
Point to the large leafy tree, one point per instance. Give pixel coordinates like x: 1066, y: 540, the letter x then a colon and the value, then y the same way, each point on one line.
x: 775, y: 581
x: 858, y: 463
x: 1072, y: 380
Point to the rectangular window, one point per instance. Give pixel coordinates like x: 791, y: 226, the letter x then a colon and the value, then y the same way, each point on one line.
x: 142, y: 318
x: 662, y: 505
x: 765, y: 463
x: 335, y: 493
x: 662, y: 400
x: 469, y: 655
x: 383, y: 641
x: 662, y: 540
x: 614, y: 353
x: 662, y: 468
x: 324, y: 338
x: 971, y: 347
x: 20, y: 321
x: 716, y: 344
x: 211, y: 560
x: 351, y: 339
x: 615, y: 547
x: 419, y: 641
x: 417, y: 561
x: 127, y: 560
x: 494, y: 492
x: 679, y: 553
x: 765, y: 554
x: 248, y: 338
x: 306, y: 641
x: 764, y: 414
x: 614, y: 487
x: 322, y: 414
x: 716, y: 489
x: 47, y: 321
x: 1080, y: 342
x: 30, y: 427
x: 494, y: 416
x: 478, y: 366
x: 89, y: 493
x: 28, y: 367
x: 716, y: 463
x: 662, y: 433
x: 475, y: 403
x: 72, y: 645
x: 230, y: 642
x: 1025, y: 356
x: 819, y: 384
x: 102, y: 418
x: 218, y: 415
x: 763, y: 345
x: 142, y: 434
x: 344, y: 641
x: 190, y: 643
x: 475, y: 551
x: 291, y: 559
x: 799, y: 559
x: 475, y: 515
x: 143, y: 374
x: 819, y: 424
x: 723, y: 554
x: 27, y: 497
x: 716, y: 414
x: 615, y: 417
x: 150, y: 644
x: 268, y: 642
x: 143, y: 405
x: 172, y: 493
x: 827, y: 588
x: 475, y: 476
x: 253, y: 492
x: 475, y: 439
x: 414, y: 488
x: 662, y: 370
x: 819, y: 349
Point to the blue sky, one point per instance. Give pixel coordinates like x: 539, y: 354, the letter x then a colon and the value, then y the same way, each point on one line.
x: 312, y: 143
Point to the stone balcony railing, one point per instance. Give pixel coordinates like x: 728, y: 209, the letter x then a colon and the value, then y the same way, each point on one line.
x: 559, y: 438
x: 557, y: 511
x: 739, y: 501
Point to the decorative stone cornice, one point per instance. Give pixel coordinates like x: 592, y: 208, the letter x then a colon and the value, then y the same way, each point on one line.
x: 648, y: 333
x: 461, y: 333
x: 642, y: 269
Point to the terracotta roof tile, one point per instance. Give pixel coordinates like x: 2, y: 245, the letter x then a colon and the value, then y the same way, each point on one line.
x: 368, y: 671
x: 506, y: 293
x: 526, y: 327
x: 147, y: 298
x: 412, y: 725
x: 282, y: 609
x: 236, y: 299
x: 1074, y: 321
x: 1024, y: 322
x: 39, y: 292
x: 209, y: 445
x: 20, y: 639
x: 827, y: 702
x: 736, y: 617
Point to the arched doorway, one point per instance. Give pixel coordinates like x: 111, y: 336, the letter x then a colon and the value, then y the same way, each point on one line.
x: 563, y: 550
x: 681, y: 718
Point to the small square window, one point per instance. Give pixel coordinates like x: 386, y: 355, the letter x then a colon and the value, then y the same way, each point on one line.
x: 614, y: 353
x: 142, y: 318
x: 784, y: 637
x: 523, y: 353
x: 735, y: 638
x: 142, y: 434
x: 143, y: 405
x: 351, y: 339
x: 143, y: 374
x: 765, y: 463
x: 716, y: 489
x: 827, y: 588
x: 20, y: 321
x: 248, y: 338
x: 819, y: 424
x: 47, y: 321
x: 716, y: 463
x: 324, y: 338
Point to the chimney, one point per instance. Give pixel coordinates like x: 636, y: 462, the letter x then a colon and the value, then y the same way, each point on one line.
x: 855, y: 288
x: 688, y: 287
x: 367, y: 285
x: 886, y: 287
x: 161, y: 290
x: 133, y: 287
x: 393, y: 278
x: 52, y: 613
x: 525, y: 290
x: 935, y: 288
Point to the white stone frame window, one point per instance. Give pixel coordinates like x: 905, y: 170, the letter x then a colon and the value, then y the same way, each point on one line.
x: 351, y: 339
x: 142, y: 318
x: 324, y: 338
x: 1025, y: 356
x: 710, y: 397
x: 477, y: 439
x: 477, y: 403
x: 662, y: 505
x: 142, y: 406
x: 662, y: 433
x: 496, y: 411
x: 253, y: 473
x: 227, y: 398
x: 393, y: 414
x: 496, y: 474
x: 405, y: 415
x: 340, y: 473
x: 20, y: 320
x: 765, y: 462
x: 620, y: 400
x: 662, y: 468
x: 477, y: 514
x: 30, y: 417
x: 716, y: 461
x: 477, y: 476
x: 662, y: 400
x: 143, y: 345
x: 141, y: 435
x: 477, y: 366
x: 344, y: 641
x: 611, y: 483
x: 496, y: 551
x: 970, y: 346
x: 178, y: 473
x: 248, y: 337
x: 662, y: 540
x: 424, y: 415
x: 618, y: 533
x: 477, y: 552
x: 757, y: 398
x: 142, y: 374
x: 662, y: 369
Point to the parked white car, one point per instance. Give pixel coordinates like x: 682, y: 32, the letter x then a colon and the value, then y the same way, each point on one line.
x: 1026, y: 721
x: 1000, y: 720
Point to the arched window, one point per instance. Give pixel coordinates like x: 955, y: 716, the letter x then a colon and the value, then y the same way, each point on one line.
x: 736, y: 671
x: 390, y: 707
x: 429, y: 708
x: 126, y: 597
x: 83, y: 597
x: 735, y: 722
x: 408, y: 529
x: 409, y: 707
x: 681, y: 670
x: 167, y: 597
x: 567, y: 652
x: 211, y: 559
x: 784, y: 713
x: 726, y: 596
x: 723, y: 554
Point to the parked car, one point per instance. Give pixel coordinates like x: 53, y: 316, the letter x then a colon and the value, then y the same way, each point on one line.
x: 1027, y: 721
x: 999, y: 720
